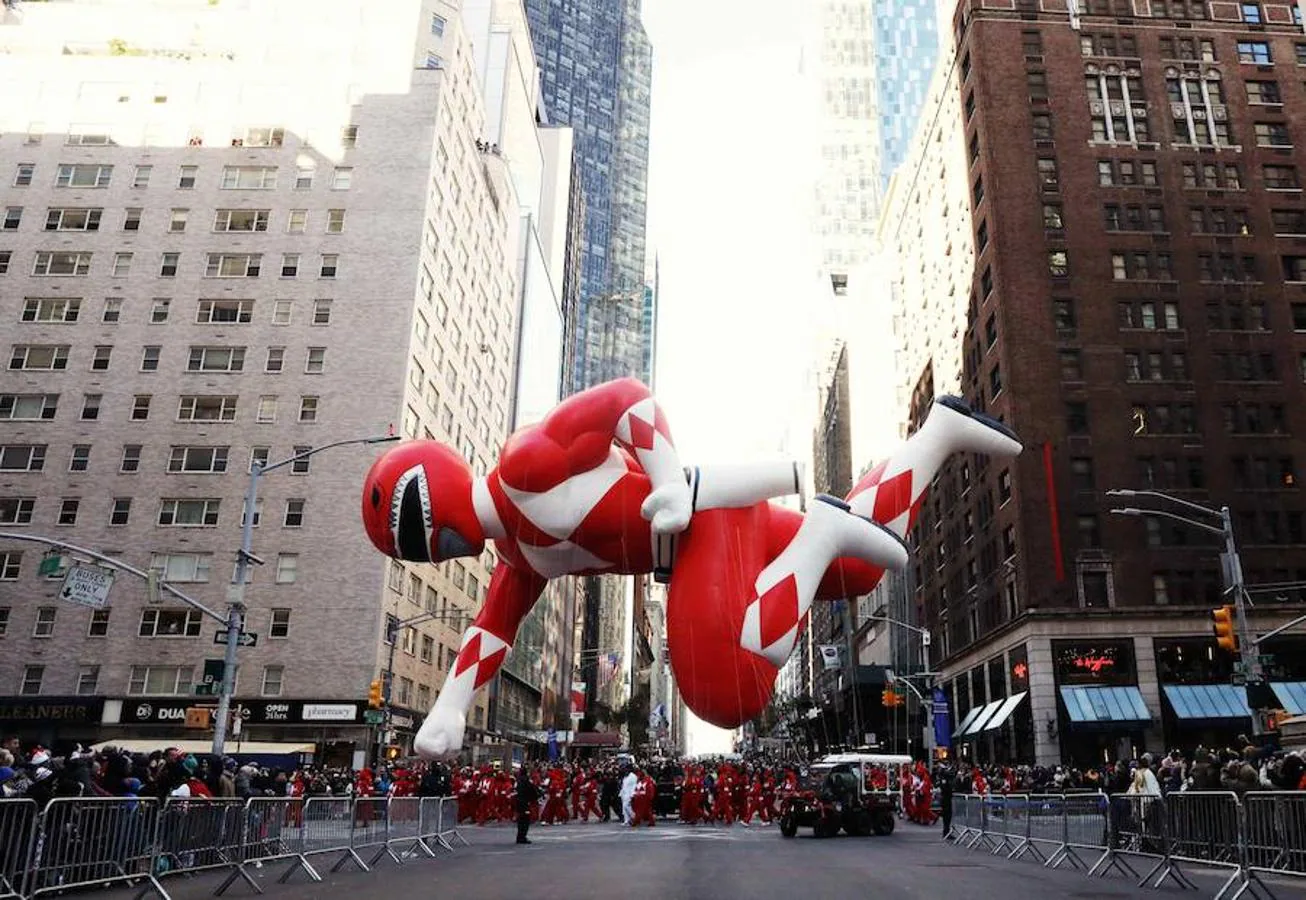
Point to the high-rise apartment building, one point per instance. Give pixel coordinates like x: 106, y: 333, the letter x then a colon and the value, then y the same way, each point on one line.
x: 906, y: 44
x: 234, y: 231
x: 1134, y: 312
x: 597, y: 67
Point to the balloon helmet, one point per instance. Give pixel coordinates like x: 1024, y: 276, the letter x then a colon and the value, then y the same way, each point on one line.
x: 417, y: 504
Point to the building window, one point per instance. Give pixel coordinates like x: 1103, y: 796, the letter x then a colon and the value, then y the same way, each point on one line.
x: 198, y: 459
x: 159, y: 310
x: 279, y: 627
x: 169, y: 623
x: 16, y: 510
x: 272, y: 678
x: 1058, y: 263
x: 32, y: 678
x: 120, y: 513
x: 267, y: 409
x: 22, y: 457
x: 233, y: 265
x: 1272, y: 134
x: 45, y: 618
x: 276, y: 359
x: 1251, y: 13
x: 1118, y: 108
x: 287, y: 568
x: 88, y: 680
x: 131, y: 458
x: 335, y: 221
x: 297, y: 221
x: 1263, y: 92
x: 1072, y: 368
x: 206, y: 408
x: 216, y: 359
x: 182, y: 568
x: 315, y: 361
x: 13, y: 217
x: 321, y: 312
x: 1280, y: 178
x: 91, y: 407
x: 1257, y: 52
x: 251, y: 178
x: 308, y: 408
x: 289, y: 265
x: 83, y: 176
x: 28, y: 407
x: 76, y: 264
x: 140, y: 407
x: 294, y: 515
x: 342, y: 179
x: 180, y: 513
x: 1198, y: 111
x: 10, y: 565
x: 186, y: 177
x: 72, y: 219
x: 68, y: 508
x: 330, y: 262
x: 24, y: 174
x: 99, y: 624
x: 80, y: 460
x: 161, y: 680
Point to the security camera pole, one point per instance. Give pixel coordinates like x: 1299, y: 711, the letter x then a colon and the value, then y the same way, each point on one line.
x: 236, y: 594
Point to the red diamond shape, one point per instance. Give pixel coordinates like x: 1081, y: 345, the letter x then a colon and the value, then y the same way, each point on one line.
x: 641, y: 433
x: 892, y: 498
x: 490, y: 665
x: 779, y: 611
x: 469, y: 655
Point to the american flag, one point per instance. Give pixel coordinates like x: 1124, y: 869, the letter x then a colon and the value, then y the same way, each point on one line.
x: 608, y: 667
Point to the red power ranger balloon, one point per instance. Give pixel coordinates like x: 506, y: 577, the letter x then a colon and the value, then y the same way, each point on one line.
x: 597, y: 488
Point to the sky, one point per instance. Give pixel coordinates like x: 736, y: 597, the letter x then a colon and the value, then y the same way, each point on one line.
x: 730, y: 168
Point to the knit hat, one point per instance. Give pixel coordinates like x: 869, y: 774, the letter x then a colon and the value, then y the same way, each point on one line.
x: 40, y: 756
x: 132, y: 785
x: 6, y: 773
x: 189, y: 764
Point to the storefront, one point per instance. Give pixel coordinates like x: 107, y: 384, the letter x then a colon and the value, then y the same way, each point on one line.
x: 1101, y: 713
x: 996, y: 724
x: 331, y: 732
x: 57, y: 723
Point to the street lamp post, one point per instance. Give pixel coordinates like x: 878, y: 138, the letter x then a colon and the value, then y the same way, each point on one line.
x: 244, y: 557
x: 1232, y: 570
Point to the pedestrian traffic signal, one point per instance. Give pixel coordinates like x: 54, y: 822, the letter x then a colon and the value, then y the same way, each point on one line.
x: 891, y: 698
x: 1226, y: 633
x: 374, y: 695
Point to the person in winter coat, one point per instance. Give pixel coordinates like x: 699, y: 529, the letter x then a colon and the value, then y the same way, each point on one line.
x: 528, y: 796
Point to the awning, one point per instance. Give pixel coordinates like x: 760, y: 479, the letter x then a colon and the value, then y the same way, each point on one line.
x: 1005, y: 710
x: 597, y: 739
x: 1292, y: 694
x: 982, y: 718
x: 233, y: 748
x: 965, y: 723
x: 1207, y: 701
x: 1093, y: 705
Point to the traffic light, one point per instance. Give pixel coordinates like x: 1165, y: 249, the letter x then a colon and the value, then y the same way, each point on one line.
x: 1226, y: 633
x: 374, y: 695
x: 891, y: 698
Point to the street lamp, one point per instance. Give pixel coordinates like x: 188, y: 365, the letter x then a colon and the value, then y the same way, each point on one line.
x: 1232, y: 570
x: 245, y: 556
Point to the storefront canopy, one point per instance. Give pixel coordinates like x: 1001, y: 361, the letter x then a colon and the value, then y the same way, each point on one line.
x: 1005, y: 710
x: 1292, y: 694
x: 1097, y: 705
x: 965, y: 722
x: 977, y: 725
x: 1207, y: 701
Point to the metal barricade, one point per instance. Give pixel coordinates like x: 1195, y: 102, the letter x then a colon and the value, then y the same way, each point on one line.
x: 328, y: 828
x: 1204, y: 827
x: 960, y: 808
x: 1274, y: 838
x: 1046, y: 826
x: 448, y: 828
x: 89, y: 842
x: 1140, y: 826
x: 404, y: 830
x: 196, y: 834
x: 1085, y: 827
x: 1008, y: 824
x: 272, y: 830
x: 977, y: 818
x: 17, y: 835
x: 370, y: 828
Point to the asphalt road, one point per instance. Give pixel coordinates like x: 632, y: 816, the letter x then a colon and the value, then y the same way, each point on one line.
x: 676, y: 862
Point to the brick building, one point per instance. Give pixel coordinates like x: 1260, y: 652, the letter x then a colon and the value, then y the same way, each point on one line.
x: 1137, y: 292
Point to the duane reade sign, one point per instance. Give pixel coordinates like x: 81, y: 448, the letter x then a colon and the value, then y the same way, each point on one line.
x: 87, y: 586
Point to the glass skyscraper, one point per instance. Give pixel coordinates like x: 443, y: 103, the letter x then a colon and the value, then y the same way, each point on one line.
x: 906, y: 43
x: 597, y: 64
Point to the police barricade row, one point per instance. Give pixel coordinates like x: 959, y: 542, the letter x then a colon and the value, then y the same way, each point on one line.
x: 1251, y: 841
x: 78, y: 842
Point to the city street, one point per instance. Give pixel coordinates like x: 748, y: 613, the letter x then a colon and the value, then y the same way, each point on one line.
x: 672, y: 861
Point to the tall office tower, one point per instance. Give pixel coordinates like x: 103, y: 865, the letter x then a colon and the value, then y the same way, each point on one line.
x: 906, y: 43
x: 597, y: 65
x: 1133, y: 311
x: 232, y: 232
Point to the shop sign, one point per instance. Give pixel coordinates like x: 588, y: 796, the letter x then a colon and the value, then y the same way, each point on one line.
x: 52, y: 710
x: 163, y: 710
x: 1096, y: 663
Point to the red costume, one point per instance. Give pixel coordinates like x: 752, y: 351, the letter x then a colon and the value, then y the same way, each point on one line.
x: 723, y: 808
x: 598, y: 488
x: 555, y: 804
x: 642, y: 802
x: 691, y: 798
x: 757, y: 803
